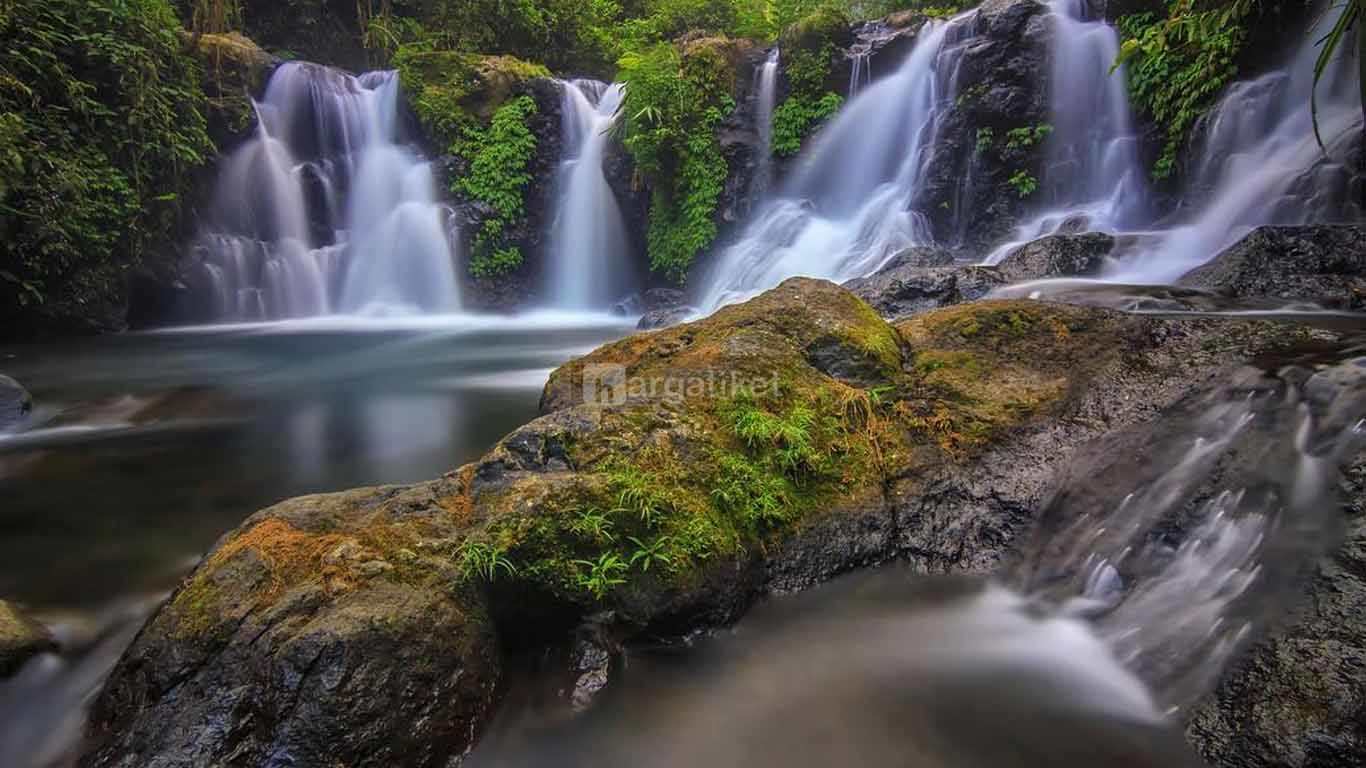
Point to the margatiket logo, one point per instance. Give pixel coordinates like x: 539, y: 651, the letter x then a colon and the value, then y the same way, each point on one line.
x: 604, y: 384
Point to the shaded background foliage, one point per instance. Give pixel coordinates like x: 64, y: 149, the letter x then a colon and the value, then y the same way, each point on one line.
x: 101, y: 124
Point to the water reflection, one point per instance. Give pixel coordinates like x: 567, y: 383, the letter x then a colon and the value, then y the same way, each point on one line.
x: 147, y: 447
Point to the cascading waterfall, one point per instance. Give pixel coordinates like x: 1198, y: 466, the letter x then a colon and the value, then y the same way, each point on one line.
x: 322, y: 211
x: 1093, y: 175
x: 1259, y: 162
x: 589, y: 263
x: 846, y: 207
x: 766, y: 96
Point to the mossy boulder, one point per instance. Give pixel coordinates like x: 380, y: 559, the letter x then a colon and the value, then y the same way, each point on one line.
x: 674, y: 478
x: 235, y: 71
x: 325, y: 630
x: 449, y: 89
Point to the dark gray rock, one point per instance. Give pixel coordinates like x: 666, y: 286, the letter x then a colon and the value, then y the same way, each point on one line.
x: 920, y: 279
x: 21, y: 639
x: 1325, y: 265
x: 663, y: 318
x: 652, y: 300
x: 1298, y: 698
x: 15, y: 403
x: 1002, y: 81
x: 1058, y: 256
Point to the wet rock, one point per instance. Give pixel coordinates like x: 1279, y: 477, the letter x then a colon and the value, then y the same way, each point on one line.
x: 15, y: 403
x: 1077, y: 255
x: 1297, y: 698
x: 664, y: 318
x: 921, y: 279
x: 1323, y: 265
x: 1002, y: 81
x: 21, y: 639
x: 236, y: 70
x: 652, y: 300
x: 327, y: 629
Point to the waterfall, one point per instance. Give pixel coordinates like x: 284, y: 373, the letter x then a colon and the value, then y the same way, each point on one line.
x: 1260, y: 164
x: 766, y: 95
x: 845, y: 209
x: 323, y: 211
x: 589, y: 263
x: 1093, y: 174
x: 1258, y: 160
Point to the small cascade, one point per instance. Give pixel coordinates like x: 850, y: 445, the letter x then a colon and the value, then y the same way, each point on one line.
x: 845, y: 209
x: 766, y: 96
x: 1093, y: 175
x: 1260, y: 164
x: 869, y: 38
x: 323, y: 212
x: 589, y: 263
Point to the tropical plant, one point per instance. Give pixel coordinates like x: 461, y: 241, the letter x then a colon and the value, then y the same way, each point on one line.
x: 484, y: 560
x: 600, y: 576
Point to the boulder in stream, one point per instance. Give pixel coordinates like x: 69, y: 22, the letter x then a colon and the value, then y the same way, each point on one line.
x: 1071, y: 255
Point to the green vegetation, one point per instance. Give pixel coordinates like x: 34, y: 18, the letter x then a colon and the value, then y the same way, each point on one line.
x: 809, y: 50
x: 1028, y: 136
x: 499, y: 156
x: 1179, y: 64
x: 101, y: 124
x: 986, y: 136
x: 1024, y: 183
x: 676, y: 96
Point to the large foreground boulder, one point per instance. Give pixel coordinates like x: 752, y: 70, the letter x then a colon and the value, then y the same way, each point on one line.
x: 674, y: 478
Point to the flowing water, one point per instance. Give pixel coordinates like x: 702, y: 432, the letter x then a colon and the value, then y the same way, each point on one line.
x: 766, y: 96
x: 1258, y: 161
x: 589, y: 260
x: 1093, y: 176
x: 323, y: 210
x: 845, y: 209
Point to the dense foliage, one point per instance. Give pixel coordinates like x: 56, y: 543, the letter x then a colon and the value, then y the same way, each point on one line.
x: 674, y: 102
x: 498, y: 158
x: 100, y: 125
x: 809, y: 47
x: 1179, y: 64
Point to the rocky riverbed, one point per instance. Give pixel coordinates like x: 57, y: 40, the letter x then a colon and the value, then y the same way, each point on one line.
x: 765, y: 449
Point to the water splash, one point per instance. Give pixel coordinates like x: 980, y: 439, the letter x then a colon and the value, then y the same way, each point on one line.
x: 846, y: 207
x: 323, y: 211
x: 588, y: 247
x: 1260, y: 164
x: 1178, y: 556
